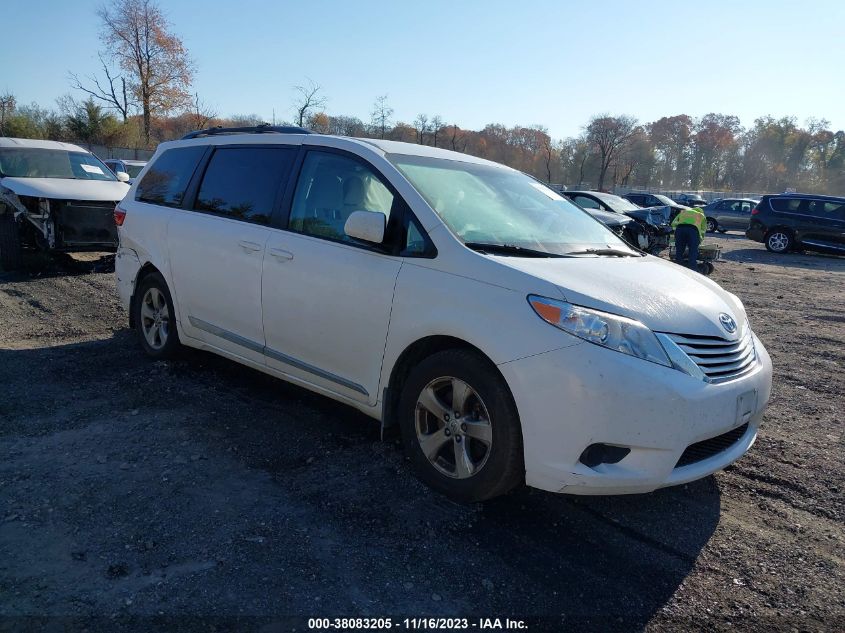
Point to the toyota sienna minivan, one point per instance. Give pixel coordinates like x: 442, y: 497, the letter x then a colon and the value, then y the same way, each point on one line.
x: 510, y: 336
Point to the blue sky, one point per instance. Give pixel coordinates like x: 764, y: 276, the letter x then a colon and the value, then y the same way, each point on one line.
x: 472, y: 62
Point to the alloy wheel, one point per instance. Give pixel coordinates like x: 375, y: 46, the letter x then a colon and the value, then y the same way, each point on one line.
x: 155, y: 318
x: 453, y: 427
x: 711, y: 225
x: 778, y: 242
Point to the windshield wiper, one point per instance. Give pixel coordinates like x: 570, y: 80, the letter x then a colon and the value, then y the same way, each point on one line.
x: 508, y: 249
x: 607, y: 252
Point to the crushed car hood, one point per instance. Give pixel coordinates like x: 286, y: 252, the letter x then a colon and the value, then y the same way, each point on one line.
x: 664, y: 296
x: 67, y: 188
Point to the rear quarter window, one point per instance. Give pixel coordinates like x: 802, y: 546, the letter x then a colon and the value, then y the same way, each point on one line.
x: 167, y: 178
x: 827, y: 209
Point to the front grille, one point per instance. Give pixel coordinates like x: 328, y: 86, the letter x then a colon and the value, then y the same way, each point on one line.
x: 708, y: 448
x: 86, y: 222
x: 718, y: 358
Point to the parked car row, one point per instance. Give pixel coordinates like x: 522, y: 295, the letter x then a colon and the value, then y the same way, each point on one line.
x: 293, y: 252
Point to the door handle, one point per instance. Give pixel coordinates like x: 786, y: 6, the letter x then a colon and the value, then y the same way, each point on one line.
x: 281, y: 254
x: 249, y: 246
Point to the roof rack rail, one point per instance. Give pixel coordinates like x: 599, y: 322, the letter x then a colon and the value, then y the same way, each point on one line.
x: 264, y: 128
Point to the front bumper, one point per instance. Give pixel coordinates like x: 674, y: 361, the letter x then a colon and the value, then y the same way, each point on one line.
x: 571, y: 398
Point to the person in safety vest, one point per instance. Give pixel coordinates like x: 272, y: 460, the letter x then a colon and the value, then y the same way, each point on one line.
x: 690, y: 226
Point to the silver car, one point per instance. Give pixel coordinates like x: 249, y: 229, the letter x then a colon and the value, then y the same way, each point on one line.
x: 729, y: 214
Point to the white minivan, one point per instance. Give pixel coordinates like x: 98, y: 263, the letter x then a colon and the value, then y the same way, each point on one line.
x: 510, y: 336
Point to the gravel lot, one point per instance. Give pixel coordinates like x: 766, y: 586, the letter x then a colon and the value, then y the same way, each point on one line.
x: 200, y: 494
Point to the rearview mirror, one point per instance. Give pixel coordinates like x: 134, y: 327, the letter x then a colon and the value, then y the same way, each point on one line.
x: 367, y: 226
x: 122, y: 176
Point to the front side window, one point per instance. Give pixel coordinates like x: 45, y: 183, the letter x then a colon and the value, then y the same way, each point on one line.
x: 32, y: 162
x: 329, y: 189
x: 242, y: 182
x: 616, y: 203
x: 496, y: 206
x: 168, y: 177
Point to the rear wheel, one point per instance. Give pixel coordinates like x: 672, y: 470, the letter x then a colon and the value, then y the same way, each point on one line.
x: 779, y: 241
x: 460, y: 426
x: 155, y: 318
x: 11, y: 253
x: 712, y: 225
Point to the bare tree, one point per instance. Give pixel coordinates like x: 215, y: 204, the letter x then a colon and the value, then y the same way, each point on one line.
x: 112, y: 91
x: 201, y: 114
x: 7, y: 107
x: 421, y: 125
x: 550, y: 150
x: 456, y: 136
x: 436, y: 127
x: 606, y: 135
x: 137, y: 35
x: 308, y: 100
x: 380, y: 116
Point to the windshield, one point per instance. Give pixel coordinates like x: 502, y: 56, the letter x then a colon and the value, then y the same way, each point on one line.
x: 664, y: 199
x: 497, y: 206
x: 617, y: 203
x: 30, y: 162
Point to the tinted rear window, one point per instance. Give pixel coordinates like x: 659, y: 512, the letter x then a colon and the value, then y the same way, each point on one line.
x: 242, y: 182
x: 827, y: 209
x: 168, y: 177
x: 787, y: 205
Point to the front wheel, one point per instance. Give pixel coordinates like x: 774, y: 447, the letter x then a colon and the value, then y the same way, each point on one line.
x: 779, y: 241
x: 155, y: 318
x: 712, y: 225
x: 460, y: 426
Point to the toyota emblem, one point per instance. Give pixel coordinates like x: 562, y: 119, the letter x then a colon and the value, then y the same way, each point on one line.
x: 727, y: 322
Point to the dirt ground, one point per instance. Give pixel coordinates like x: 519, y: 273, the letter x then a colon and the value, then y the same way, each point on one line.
x: 199, y: 495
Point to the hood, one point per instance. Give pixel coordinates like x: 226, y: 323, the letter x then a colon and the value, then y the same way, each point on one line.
x: 662, y: 295
x: 608, y: 218
x: 651, y: 213
x: 67, y: 188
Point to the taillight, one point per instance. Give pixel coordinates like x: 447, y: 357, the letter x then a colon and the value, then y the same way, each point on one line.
x: 755, y: 211
x: 119, y: 215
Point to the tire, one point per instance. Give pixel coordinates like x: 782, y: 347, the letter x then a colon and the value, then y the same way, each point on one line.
x: 779, y: 241
x: 712, y: 225
x: 11, y: 253
x: 476, y: 455
x: 155, y: 318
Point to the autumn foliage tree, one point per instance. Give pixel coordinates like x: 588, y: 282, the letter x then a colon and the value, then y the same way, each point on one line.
x: 159, y: 71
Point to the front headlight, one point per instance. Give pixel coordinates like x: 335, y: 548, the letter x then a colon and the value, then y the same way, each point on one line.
x: 608, y: 330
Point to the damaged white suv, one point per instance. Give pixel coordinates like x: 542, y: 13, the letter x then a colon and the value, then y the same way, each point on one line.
x: 54, y: 197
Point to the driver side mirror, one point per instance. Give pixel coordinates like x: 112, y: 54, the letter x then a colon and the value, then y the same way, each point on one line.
x: 367, y: 226
x: 122, y: 176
